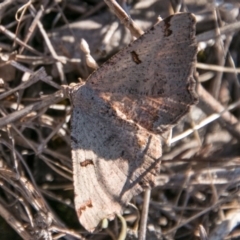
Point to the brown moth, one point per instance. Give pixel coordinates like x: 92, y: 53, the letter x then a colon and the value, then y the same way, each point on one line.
x: 120, y: 113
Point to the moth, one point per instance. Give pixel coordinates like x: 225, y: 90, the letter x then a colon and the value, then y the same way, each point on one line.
x: 120, y: 113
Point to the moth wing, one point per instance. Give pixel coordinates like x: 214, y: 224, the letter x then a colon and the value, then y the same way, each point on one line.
x: 113, y: 160
x: 151, y: 81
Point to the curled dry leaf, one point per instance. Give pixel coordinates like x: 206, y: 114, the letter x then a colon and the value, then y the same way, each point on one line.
x: 119, y: 114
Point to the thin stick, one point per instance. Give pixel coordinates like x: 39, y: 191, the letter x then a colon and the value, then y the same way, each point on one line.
x: 204, y: 122
x: 17, y: 40
x: 210, y: 105
x: 135, y: 30
x: 14, y: 223
x: 35, y: 77
x: 32, y: 28
x: 51, y: 49
x: 144, y: 217
x: 228, y: 29
x: 66, y: 231
x: 56, y: 97
x: 217, y: 68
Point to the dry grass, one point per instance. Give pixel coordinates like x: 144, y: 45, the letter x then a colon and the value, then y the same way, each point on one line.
x: 197, y: 194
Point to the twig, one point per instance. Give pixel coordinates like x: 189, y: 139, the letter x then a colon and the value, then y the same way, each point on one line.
x: 217, y: 68
x: 14, y: 223
x: 4, y: 4
x: 210, y: 105
x: 204, y: 122
x: 94, y: 9
x: 21, y: 11
x: 50, y: 48
x: 32, y: 28
x: 35, y: 77
x: 144, y: 216
x: 67, y: 231
x: 207, y: 209
x: 45, y: 102
x: 17, y: 40
x: 124, y: 18
x: 220, y: 50
x: 228, y: 29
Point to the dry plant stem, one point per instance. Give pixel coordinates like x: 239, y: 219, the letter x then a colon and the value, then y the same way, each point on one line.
x: 51, y: 135
x: 30, y: 192
x: 66, y: 21
x: 219, y: 170
x: 210, y: 105
x: 51, y: 164
x: 216, y: 82
x: 66, y: 231
x: 50, y: 195
x: 32, y: 28
x: 12, y: 140
x: 222, y: 53
x: 20, y: 67
x: 123, y: 233
x: 14, y: 223
x: 57, y: 167
x: 228, y: 29
x: 19, y: 133
x: 206, y: 210
x: 144, y: 217
x: 136, y: 224
x: 19, y: 156
x: 51, y: 49
x: 21, y: 11
x: 76, y: 8
x: 17, y: 40
x: 35, y: 60
x: 26, y: 190
x: 5, y: 4
x: 45, y: 102
x: 204, y: 122
x: 236, y: 91
x: 25, y: 207
x: 217, y: 68
x: 111, y: 234
x: 195, y: 132
x: 40, y: 74
x: 29, y: 144
x: 93, y: 10
x: 185, y: 184
x: 124, y: 18
x: 204, y: 77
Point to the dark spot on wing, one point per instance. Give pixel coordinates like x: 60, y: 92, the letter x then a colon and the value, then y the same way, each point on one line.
x: 87, y: 204
x: 74, y: 139
x: 86, y: 163
x: 167, y: 31
x: 135, y: 57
